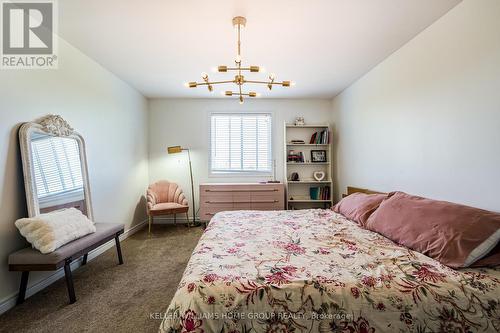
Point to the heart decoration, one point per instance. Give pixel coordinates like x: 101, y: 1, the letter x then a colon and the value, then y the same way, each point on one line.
x: 319, y: 175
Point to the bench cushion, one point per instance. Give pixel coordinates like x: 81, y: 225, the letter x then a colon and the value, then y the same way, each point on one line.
x: 30, y: 256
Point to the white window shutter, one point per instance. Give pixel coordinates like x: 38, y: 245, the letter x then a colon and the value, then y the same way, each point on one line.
x: 57, y: 167
x: 241, y: 143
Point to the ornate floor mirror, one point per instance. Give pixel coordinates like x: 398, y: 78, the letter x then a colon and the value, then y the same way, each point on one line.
x: 54, y: 167
x: 56, y: 177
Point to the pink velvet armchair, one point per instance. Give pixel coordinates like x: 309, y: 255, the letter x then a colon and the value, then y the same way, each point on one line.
x: 165, y: 198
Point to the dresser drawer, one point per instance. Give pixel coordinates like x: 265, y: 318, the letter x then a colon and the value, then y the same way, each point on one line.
x: 207, y: 192
x: 216, y: 198
x: 242, y: 197
x: 242, y: 206
x: 266, y: 206
x: 216, y: 189
x: 265, y: 196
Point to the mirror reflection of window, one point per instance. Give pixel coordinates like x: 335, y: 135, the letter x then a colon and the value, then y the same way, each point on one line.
x: 57, y: 170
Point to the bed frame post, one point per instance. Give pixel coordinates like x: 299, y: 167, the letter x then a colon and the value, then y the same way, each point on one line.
x: 23, y: 287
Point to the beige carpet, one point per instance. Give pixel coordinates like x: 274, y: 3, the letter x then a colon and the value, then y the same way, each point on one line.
x: 112, y: 298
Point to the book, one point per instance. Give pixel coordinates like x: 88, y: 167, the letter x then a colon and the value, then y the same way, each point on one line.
x: 319, y: 193
x: 313, y: 137
x: 320, y: 138
x: 314, y: 193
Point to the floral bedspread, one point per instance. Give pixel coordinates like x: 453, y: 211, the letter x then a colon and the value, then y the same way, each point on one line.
x: 315, y: 271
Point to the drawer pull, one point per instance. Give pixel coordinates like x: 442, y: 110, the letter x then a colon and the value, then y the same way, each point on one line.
x: 241, y: 202
x: 227, y: 202
x: 219, y: 202
x: 272, y: 190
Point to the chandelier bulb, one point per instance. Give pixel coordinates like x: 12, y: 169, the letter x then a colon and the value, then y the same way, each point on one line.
x: 237, y: 59
x: 204, y: 76
x: 241, y: 99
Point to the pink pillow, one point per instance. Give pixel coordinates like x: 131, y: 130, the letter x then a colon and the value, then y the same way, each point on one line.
x: 359, y: 206
x: 453, y: 234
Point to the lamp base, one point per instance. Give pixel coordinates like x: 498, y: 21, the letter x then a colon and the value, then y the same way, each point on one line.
x: 195, y: 224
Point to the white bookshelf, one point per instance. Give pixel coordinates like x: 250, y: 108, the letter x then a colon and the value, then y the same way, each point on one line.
x: 299, y: 190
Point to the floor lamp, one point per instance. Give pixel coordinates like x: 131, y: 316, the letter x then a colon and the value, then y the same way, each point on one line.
x: 179, y: 149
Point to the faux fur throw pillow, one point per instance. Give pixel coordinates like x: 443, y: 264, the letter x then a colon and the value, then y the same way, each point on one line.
x: 47, y: 232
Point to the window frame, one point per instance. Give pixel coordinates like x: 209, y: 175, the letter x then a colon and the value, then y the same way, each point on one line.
x: 241, y: 174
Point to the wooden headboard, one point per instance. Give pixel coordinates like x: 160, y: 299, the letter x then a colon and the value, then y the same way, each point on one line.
x: 351, y: 190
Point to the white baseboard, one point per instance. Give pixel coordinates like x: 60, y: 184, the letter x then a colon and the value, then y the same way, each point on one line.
x: 10, y: 301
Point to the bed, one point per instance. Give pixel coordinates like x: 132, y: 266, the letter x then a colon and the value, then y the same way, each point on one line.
x: 316, y: 271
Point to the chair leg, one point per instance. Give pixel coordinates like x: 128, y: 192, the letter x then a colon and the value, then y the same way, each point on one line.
x: 175, y: 218
x: 69, y: 281
x: 187, y: 219
x: 22, y: 287
x: 150, y: 221
x: 84, y: 260
x: 119, y: 249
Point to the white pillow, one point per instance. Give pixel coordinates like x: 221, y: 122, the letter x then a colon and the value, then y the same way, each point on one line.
x: 48, y: 232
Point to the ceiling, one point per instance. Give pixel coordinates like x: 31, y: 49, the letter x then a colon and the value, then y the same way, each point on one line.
x: 322, y: 45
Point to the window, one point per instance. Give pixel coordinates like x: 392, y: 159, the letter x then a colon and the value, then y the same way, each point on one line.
x: 240, y: 143
x: 57, y: 165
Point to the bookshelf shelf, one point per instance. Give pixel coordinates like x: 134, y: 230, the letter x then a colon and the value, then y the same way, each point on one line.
x: 307, y: 186
x: 294, y: 182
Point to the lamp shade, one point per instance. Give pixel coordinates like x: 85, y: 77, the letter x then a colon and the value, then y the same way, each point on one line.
x: 174, y: 149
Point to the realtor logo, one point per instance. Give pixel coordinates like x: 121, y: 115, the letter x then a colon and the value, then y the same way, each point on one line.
x: 28, y: 34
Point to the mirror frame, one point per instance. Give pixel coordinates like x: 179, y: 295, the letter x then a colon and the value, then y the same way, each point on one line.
x: 56, y: 126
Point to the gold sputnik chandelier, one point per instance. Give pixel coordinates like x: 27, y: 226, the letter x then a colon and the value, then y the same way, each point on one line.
x: 239, y: 79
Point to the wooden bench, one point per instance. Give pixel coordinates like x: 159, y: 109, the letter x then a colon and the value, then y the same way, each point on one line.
x: 29, y: 259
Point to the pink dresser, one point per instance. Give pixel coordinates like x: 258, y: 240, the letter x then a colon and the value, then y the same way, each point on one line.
x: 218, y: 197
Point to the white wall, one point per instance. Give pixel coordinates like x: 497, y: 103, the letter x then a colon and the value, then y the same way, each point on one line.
x: 427, y: 119
x: 185, y: 122
x: 111, y: 116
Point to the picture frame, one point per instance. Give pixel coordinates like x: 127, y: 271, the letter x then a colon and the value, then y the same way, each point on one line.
x: 318, y: 156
